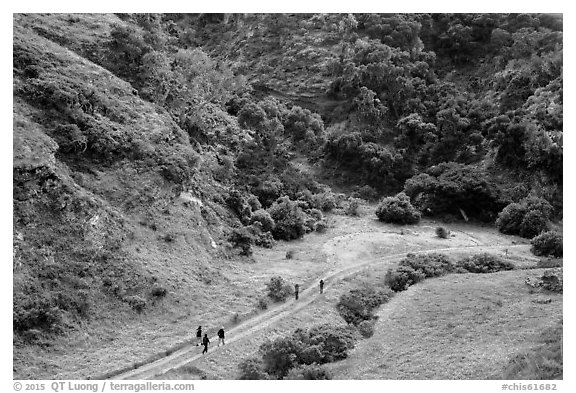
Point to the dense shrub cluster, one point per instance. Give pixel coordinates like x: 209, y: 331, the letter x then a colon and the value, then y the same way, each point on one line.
x: 448, y: 187
x: 358, y: 304
x: 415, y: 268
x: 527, y: 218
x: 316, y: 345
x: 484, y: 263
x: 547, y: 243
x: 397, y: 210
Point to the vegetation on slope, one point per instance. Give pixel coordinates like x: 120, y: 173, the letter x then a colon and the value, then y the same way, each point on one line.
x: 161, y: 122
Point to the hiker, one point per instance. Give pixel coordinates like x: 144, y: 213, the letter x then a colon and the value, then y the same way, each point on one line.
x: 205, y: 342
x: 221, y: 336
x: 296, y: 289
x: 199, y: 336
x: 321, y: 286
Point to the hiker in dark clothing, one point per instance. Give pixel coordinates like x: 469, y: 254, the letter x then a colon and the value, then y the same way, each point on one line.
x: 221, y: 336
x: 296, y: 289
x: 199, y: 335
x: 321, y: 286
x: 205, y: 342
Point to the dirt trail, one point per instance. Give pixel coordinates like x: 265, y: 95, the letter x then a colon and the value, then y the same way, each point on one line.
x: 349, y: 266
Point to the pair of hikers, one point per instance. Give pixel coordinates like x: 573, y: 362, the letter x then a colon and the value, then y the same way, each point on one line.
x: 206, y: 341
x: 297, y: 289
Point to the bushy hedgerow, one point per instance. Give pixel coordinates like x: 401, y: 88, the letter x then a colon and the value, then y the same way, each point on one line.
x: 527, y: 218
x: 402, y: 277
x: 432, y: 264
x: 289, y: 218
x: 484, y: 263
x: 547, y: 243
x: 308, y: 372
x: 325, y: 343
x: 415, y: 268
x: 398, y: 210
x: 358, y: 304
x: 316, y: 345
x: 279, y: 289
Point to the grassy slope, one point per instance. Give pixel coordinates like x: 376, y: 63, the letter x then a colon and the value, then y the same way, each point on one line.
x: 364, y: 239
x: 456, y: 327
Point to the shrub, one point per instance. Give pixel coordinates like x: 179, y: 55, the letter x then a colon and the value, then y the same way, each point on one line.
x: 243, y: 238
x: 35, y: 311
x: 366, y: 328
x: 398, y: 210
x: 324, y: 343
x: 431, y: 265
x: 278, y: 289
x: 533, y: 224
x: 265, y: 239
x: 136, y: 302
x: 280, y: 355
x: 325, y: 201
x: 289, y: 218
x: 484, y: 263
x: 367, y: 193
x: 239, y: 206
x: 449, y: 187
x: 547, y: 243
x: 527, y: 218
x: 358, y: 304
x: 308, y: 372
x: 442, y: 232
x: 264, y: 218
x: 402, y: 277
x: 252, y: 369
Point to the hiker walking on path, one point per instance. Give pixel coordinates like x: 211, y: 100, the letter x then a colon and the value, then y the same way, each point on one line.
x: 296, y: 289
x: 205, y: 342
x: 221, y: 336
x: 199, y: 336
x: 321, y: 286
